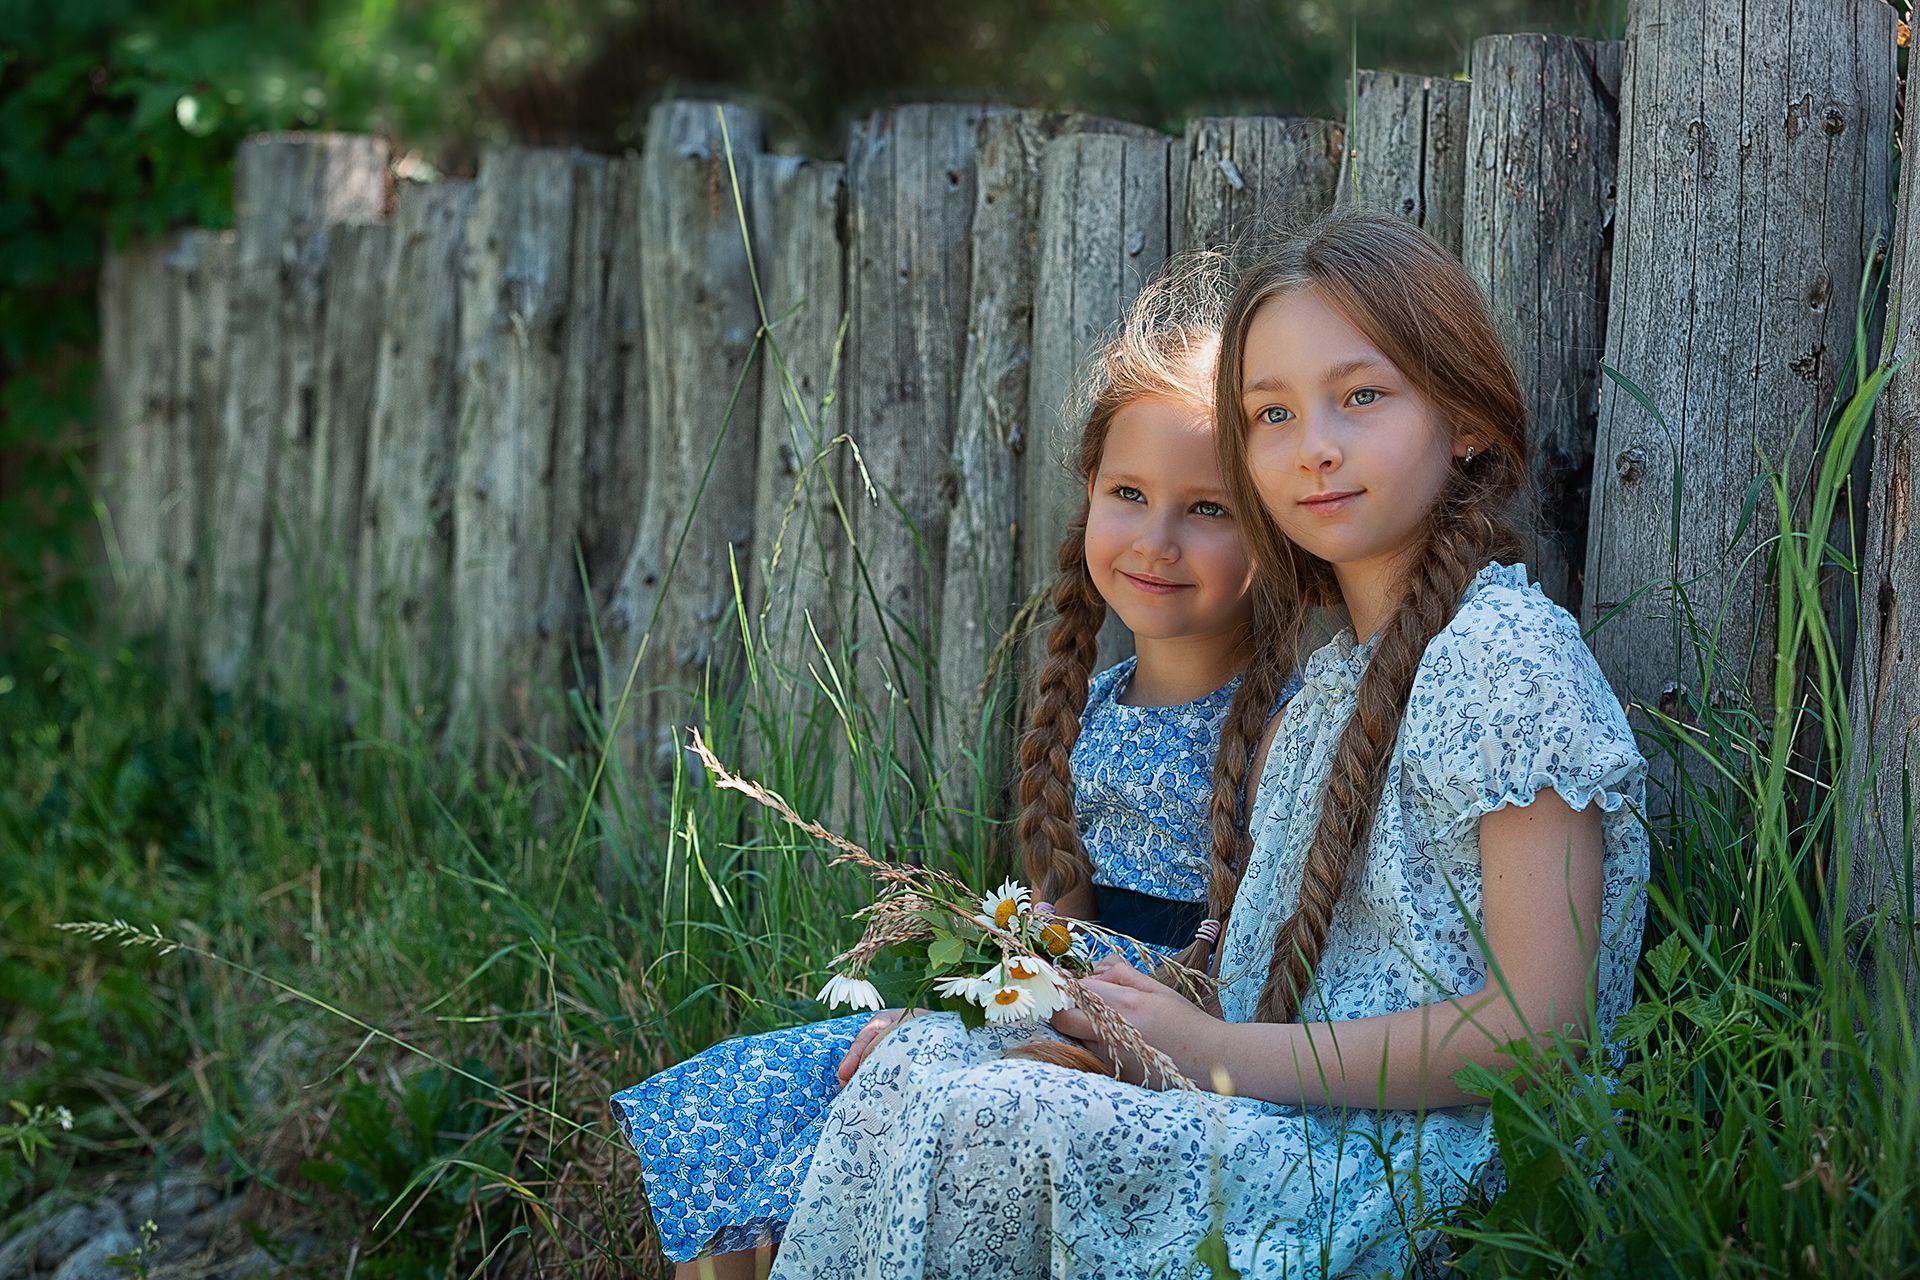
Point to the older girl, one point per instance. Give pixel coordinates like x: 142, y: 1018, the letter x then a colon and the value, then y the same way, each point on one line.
x: 1445, y: 852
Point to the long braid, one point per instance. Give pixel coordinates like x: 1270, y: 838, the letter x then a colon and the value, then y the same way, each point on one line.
x: 1267, y: 671
x: 1463, y: 540
x: 1056, y: 861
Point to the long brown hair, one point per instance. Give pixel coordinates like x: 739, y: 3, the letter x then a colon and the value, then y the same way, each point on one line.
x: 1166, y: 349
x: 1414, y: 302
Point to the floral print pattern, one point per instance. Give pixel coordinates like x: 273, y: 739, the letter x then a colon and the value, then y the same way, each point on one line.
x: 943, y: 1159
x: 725, y: 1137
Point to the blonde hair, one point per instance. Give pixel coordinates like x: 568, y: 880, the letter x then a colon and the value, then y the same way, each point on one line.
x: 1415, y: 303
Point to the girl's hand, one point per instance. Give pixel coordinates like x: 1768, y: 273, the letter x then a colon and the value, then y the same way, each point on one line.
x: 1164, y: 1018
x: 870, y: 1035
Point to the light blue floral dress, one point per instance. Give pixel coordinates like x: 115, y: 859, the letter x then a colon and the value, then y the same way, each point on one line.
x: 943, y: 1159
x: 725, y: 1137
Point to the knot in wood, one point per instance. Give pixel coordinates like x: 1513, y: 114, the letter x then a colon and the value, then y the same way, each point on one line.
x: 1806, y: 366
x: 1833, y: 123
x: 1630, y: 465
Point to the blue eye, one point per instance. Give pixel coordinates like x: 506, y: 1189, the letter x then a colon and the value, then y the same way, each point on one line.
x: 1127, y: 493
x: 1368, y: 392
x: 1209, y: 508
x: 1268, y: 415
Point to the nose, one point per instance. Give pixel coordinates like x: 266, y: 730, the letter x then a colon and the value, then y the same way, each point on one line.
x: 1154, y: 539
x: 1319, y: 444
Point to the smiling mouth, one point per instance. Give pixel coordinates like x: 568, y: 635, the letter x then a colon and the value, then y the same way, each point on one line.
x: 1147, y: 582
x: 1329, y: 501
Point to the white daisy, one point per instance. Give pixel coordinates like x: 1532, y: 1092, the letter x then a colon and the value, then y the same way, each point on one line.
x: 998, y: 909
x: 974, y: 989
x: 1039, y: 979
x: 1009, y: 1004
x: 855, y: 992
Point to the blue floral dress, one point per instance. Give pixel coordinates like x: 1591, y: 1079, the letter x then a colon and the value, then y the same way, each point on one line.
x: 725, y: 1137
x: 942, y: 1158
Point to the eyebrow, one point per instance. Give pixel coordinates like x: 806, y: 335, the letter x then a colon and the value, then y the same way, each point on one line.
x: 1136, y: 482
x: 1333, y: 374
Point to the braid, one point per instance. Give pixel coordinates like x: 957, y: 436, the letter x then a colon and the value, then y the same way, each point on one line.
x: 1266, y: 675
x: 1056, y: 861
x: 1464, y: 539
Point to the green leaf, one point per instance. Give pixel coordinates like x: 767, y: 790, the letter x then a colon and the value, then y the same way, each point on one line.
x: 1212, y: 1254
x: 1668, y: 961
x: 944, y: 953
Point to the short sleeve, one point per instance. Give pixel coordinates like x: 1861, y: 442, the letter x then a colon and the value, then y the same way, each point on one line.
x: 1509, y: 701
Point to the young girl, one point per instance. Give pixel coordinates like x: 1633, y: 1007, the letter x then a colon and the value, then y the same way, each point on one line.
x: 1444, y: 852
x: 1118, y: 779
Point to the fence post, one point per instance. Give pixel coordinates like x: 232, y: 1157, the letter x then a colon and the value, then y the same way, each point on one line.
x: 910, y: 182
x: 137, y: 355
x: 200, y: 268
x: 672, y: 614
x: 798, y: 589
x: 1886, y: 669
x: 288, y: 191
x: 1732, y: 308
x: 1542, y: 152
x: 529, y: 335
x: 403, y: 585
x: 1242, y: 180
x: 1406, y: 150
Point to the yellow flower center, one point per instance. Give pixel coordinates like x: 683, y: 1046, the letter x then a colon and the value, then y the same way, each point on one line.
x: 1057, y: 939
x: 1007, y: 995
x: 1005, y: 912
x: 1022, y: 969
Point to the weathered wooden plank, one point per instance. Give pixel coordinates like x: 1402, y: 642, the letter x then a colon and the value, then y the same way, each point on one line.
x: 534, y: 255
x: 1731, y: 306
x: 354, y: 286
x: 1242, y: 180
x: 911, y: 185
x: 1543, y: 149
x: 1104, y: 213
x: 1885, y: 687
x: 800, y: 593
x: 983, y: 592
x: 137, y: 353
x: 406, y: 536
x: 288, y: 190
x: 669, y: 630
x: 617, y: 448
x: 200, y: 269
x: 1406, y: 150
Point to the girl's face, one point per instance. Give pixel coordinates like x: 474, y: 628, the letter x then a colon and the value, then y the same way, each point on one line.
x: 1347, y: 456
x: 1162, y: 547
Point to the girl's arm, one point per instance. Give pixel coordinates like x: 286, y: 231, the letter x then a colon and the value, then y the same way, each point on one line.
x: 1541, y: 868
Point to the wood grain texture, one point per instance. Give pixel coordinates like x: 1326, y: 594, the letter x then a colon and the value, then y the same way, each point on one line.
x: 406, y: 536
x: 355, y: 284
x: 534, y: 257
x: 200, y: 268
x: 1406, y: 150
x: 289, y: 190
x: 1241, y: 181
x: 670, y: 630
x: 911, y: 187
x: 136, y: 465
x: 1885, y: 686
x: 800, y: 593
x: 1543, y: 149
x: 1745, y: 221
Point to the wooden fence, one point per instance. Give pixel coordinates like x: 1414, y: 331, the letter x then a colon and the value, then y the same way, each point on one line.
x: 535, y: 427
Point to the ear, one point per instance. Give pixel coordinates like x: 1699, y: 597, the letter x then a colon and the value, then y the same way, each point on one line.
x: 1467, y: 441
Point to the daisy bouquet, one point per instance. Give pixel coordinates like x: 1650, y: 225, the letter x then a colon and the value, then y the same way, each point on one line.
x: 930, y: 941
